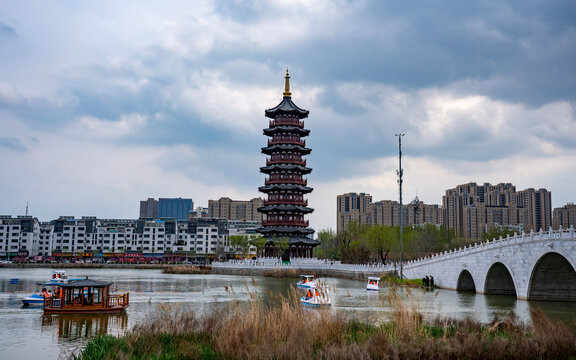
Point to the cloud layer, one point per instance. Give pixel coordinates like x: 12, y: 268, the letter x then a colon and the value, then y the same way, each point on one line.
x: 103, y: 105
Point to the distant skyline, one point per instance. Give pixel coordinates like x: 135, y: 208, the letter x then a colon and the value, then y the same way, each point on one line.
x: 104, y: 104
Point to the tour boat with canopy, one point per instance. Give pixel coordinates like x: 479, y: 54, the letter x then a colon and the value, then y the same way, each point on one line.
x: 86, y: 296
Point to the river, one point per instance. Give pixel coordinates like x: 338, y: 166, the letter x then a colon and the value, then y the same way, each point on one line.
x: 27, y: 333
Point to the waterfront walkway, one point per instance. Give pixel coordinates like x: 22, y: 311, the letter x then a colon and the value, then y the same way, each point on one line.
x: 301, y: 265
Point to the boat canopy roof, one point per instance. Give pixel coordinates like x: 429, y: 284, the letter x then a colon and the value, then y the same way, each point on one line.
x: 86, y: 283
x: 373, y: 278
x: 307, y: 276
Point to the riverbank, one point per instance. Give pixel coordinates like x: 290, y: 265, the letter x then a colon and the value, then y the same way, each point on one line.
x: 101, y: 266
x: 291, y: 271
x: 286, y: 330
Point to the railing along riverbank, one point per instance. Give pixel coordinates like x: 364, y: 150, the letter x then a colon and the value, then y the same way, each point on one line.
x: 320, y: 267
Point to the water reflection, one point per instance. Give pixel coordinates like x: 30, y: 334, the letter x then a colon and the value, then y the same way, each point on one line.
x: 77, y: 327
x: 54, y: 334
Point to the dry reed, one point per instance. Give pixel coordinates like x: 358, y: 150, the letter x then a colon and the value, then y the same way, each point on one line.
x: 283, y: 329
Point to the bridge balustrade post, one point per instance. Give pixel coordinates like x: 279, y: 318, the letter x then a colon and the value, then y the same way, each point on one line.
x: 571, y: 232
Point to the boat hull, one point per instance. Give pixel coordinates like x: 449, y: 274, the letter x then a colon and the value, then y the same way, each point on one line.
x: 306, y: 286
x: 33, y: 300
x: 308, y: 304
x: 85, y: 310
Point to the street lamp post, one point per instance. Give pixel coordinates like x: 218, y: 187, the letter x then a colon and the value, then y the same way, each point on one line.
x: 399, y: 173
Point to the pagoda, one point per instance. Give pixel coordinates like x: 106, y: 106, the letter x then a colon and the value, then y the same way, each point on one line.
x: 285, y: 207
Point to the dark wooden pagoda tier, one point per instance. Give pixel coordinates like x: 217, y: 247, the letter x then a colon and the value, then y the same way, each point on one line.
x: 285, y: 208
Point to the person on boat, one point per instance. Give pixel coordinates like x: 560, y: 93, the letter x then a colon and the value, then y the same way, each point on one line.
x: 317, y: 293
x: 53, y: 276
x: 309, y: 294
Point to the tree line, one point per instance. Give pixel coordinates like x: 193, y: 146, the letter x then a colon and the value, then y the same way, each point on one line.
x: 361, y: 243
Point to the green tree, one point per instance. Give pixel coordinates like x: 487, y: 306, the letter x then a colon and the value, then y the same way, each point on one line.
x: 379, y: 239
x: 498, y: 231
x: 259, y: 242
x: 281, y: 244
x: 328, y: 248
x: 239, y: 242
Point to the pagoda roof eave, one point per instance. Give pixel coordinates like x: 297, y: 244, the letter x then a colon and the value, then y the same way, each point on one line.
x: 285, y: 187
x: 286, y: 147
x: 287, y: 167
x: 282, y: 129
x: 280, y: 208
x: 286, y: 106
x: 284, y: 230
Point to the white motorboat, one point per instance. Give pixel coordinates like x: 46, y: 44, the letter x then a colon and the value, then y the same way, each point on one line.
x: 37, y: 298
x: 307, y: 282
x: 315, y: 297
x: 58, y: 278
x: 373, y: 283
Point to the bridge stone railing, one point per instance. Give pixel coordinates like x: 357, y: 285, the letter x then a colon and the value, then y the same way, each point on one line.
x: 567, y: 234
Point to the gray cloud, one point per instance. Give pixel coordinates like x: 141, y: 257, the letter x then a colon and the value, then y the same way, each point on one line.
x: 6, y: 30
x: 12, y: 144
x: 467, y: 82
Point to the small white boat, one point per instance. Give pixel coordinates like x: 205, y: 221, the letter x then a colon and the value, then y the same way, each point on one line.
x: 58, y: 278
x: 307, y: 282
x: 315, y: 297
x: 373, y: 283
x: 37, y: 298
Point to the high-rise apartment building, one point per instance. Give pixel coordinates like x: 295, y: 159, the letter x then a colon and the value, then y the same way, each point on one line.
x: 226, y: 208
x: 149, y: 208
x: 564, y: 216
x: 359, y: 208
x: 539, y: 206
x: 472, y: 209
x: 353, y: 207
x: 177, y: 208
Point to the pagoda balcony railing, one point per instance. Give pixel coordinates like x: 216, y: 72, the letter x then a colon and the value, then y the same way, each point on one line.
x: 286, y: 140
x: 287, y: 121
x: 286, y: 180
x: 286, y: 201
x: 286, y: 160
x: 285, y: 223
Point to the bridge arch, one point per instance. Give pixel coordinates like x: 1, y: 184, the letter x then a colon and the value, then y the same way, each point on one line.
x: 499, y: 281
x: 553, y: 278
x: 465, y: 281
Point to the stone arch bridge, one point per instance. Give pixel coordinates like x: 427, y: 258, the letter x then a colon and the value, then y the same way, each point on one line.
x: 535, y: 266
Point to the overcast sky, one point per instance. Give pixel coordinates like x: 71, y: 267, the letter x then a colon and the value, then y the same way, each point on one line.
x: 106, y: 103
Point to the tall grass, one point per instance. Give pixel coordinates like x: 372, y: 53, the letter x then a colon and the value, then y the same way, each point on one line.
x: 283, y: 329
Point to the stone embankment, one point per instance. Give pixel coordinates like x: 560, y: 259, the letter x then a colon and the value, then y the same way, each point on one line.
x: 319, y: 268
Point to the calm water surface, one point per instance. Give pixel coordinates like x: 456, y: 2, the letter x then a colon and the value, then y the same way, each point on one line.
x: 26, y: 332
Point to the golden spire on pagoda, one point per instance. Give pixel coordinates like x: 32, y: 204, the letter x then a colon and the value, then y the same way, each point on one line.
x: 287, y: 85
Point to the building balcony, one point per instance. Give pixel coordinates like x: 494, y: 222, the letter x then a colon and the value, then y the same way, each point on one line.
x: 286, y: 140
x: 300, y: 223
x: 285, y: 202
x: 287, y: 121
x: 285, y: 159
x: 285, y: 180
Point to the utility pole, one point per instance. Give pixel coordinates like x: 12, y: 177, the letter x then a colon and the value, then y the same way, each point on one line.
x: 399, y: 173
